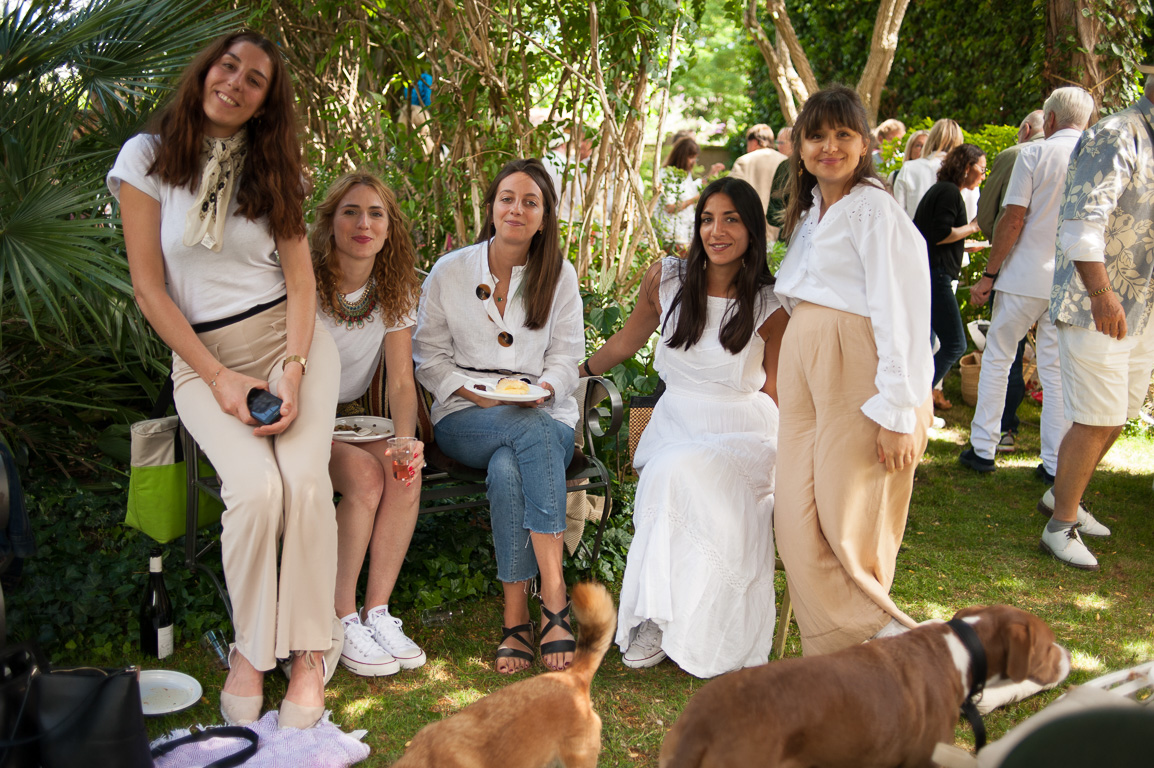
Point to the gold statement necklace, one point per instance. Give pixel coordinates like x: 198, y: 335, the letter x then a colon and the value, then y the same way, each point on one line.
x: 359, y: 312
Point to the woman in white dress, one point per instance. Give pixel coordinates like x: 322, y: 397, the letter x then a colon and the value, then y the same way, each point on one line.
x: 698, y: 583
x: 680, y: 191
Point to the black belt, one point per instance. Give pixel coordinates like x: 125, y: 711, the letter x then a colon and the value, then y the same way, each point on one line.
x: 224, y: 322
x: 500, y: 371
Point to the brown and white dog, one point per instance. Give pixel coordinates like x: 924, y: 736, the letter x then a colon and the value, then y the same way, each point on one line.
x: 883, y: 703
x: 545, y: 720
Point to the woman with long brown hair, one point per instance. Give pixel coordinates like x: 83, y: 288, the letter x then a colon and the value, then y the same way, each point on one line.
x: 853, y: 377
x: 508, y: 306
x: 367, y: 291
x: 211, y: 202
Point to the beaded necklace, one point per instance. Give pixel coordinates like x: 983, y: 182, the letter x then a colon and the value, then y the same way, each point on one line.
x: 360, y: 311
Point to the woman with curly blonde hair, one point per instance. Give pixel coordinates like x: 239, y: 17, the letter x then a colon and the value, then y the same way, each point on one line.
x: 367, y: 289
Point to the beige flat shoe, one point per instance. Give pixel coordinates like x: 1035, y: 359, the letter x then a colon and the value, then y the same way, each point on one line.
x: 293, y: 715
x: 239, y: 710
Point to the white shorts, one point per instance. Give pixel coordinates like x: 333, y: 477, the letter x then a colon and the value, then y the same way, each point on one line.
x: 1104, y: 380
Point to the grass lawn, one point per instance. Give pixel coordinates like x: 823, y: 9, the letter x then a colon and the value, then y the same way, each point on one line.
x: 970, y: 539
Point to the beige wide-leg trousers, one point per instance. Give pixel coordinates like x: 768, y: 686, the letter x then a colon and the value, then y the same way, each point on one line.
x: 275, y: 490
x: 839, y: 517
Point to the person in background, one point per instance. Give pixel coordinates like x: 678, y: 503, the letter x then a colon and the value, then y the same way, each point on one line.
x: 1022, y: 263
x: 914, y: 144
x: 989, y: 213
x: 918, y: 175
x: 1102, y: 303
x: 215, y: 233
x: 367, y: 291
x: 567, y: 164
x: 779, y: 194
x: 941, y: 219
x: 759, y: 163
x: 509, y: 306
x: 698, y: 584
x: 854, y: 380
x: 887, y: 130
x: 679, y: 193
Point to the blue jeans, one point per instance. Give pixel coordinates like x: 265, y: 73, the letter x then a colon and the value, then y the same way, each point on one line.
x: 946, y: 321
x: 525, y: 452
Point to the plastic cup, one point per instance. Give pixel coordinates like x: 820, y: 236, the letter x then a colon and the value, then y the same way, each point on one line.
x: 215, y: 644
x: 401, y: 451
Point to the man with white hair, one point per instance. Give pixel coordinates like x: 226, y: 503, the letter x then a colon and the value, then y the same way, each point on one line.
x: 759, y: 163
x: 1103, y: 305
x: 1022, y: 263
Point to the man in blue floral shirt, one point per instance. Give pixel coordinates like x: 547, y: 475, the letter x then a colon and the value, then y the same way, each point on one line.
x: 1102, y: 302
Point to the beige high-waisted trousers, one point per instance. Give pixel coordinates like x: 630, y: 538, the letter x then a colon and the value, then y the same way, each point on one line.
x: 275, y: 490
x: 839, y: 517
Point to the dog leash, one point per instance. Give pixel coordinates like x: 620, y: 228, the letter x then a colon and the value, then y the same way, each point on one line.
x: 977, y: 653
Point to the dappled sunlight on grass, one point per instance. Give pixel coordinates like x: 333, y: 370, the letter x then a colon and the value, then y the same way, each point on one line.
x: 438, y: 671
x: 1092, y: 602
x: 461, y: 698
x: 937, y: 611
x: 360, y: 707
x: 1142, y: 650
x: 1133, y: 457
x: 1011, y: 582
x: 1085, y: 662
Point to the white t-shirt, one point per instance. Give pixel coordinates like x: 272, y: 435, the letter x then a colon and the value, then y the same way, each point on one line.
x: 360, y: 348
x: 1037, y: 183
x: 205, y: 285
x: 866, y: 258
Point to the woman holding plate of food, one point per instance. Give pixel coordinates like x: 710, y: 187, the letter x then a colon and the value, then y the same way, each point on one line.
x: 508, y: 307
x: 367, y: 292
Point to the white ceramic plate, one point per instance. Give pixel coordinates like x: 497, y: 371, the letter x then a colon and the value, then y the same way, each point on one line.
x: 164, y: 691
x: 365, y: 429
x: 488, y: 388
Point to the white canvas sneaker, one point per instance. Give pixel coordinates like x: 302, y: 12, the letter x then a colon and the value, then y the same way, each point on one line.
x: 1087, y: 525
x: 645, y: 650
x: 363, y: 656
x: 386, y: 630
x: 1067, y: 546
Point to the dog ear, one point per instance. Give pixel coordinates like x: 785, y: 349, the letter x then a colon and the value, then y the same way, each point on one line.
x: 1019, y: 651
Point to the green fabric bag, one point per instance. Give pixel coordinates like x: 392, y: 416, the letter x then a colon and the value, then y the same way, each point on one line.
x: 157, y: 486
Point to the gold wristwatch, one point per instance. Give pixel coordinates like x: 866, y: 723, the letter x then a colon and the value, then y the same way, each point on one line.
x: 296, y: 359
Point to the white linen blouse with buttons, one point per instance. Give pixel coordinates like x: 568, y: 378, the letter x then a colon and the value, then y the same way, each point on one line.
x: 456, y: 331
x: 866, y: 257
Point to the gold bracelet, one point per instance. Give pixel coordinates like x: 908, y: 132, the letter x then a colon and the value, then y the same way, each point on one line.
x: 212, y: 383
x: 296, y: 359
x: 1100, y: 291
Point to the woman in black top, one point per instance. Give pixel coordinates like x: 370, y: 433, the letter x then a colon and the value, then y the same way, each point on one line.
x: 941, y: 218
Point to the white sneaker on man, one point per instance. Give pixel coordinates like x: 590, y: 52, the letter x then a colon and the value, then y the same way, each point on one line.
x: 386, y: 630
x: 1067, y: 546
x: 645, y: 650
x: 362, y: 655
x: 1087, y: 525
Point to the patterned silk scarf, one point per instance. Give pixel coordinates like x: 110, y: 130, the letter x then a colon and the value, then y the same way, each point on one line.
x: 223, y: 161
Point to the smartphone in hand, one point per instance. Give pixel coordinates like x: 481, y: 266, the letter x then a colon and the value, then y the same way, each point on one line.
x: 264, y: 406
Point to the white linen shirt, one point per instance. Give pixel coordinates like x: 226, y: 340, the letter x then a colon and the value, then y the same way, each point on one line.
x: 865, y: 257
x: 1036, y: 184
x: 456, y: 331
x: 915, y: 179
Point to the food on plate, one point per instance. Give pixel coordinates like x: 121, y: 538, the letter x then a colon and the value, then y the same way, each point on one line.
x: 512, y: 387
x: 345, y: 428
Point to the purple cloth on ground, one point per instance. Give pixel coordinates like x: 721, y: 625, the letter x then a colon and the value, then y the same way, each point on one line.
x: 322, y: 746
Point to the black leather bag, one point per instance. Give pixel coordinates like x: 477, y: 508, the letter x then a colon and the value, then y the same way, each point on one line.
x: 67, y: 717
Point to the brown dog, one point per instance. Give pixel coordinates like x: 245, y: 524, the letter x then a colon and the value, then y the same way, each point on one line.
x: 882, y: 703
x: 536, y: 722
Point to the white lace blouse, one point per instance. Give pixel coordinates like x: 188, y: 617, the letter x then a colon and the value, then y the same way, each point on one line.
x: 866, y: 257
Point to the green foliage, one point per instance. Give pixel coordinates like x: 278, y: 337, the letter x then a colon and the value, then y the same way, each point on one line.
x: 76, y: 81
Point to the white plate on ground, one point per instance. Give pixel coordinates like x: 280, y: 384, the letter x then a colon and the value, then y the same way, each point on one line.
x: 488, y: 388
x: 164, y: 691
x: 364, y: 429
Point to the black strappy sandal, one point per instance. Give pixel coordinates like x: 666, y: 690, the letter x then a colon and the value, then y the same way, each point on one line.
x: 516, y: 653
x: 558, y: 619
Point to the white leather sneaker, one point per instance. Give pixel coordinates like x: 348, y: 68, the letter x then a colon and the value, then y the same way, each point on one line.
x: 1067, y: 546
x: 1087, y: 525
x: 645, y: 650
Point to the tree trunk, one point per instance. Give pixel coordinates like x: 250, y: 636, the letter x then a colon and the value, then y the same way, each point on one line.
x: 883, y: 45
x: 1078, y: 48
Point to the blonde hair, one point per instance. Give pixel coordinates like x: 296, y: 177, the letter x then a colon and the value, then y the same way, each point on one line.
x: 945, y: 134
x: 394, y: 267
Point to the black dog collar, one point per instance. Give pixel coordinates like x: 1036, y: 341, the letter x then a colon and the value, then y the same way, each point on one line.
x: 978, y: 671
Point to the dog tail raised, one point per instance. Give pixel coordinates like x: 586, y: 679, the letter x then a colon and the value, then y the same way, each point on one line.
x: 597, y: 618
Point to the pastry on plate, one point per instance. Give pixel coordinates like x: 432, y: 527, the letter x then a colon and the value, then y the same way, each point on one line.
x: 512, y: 387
